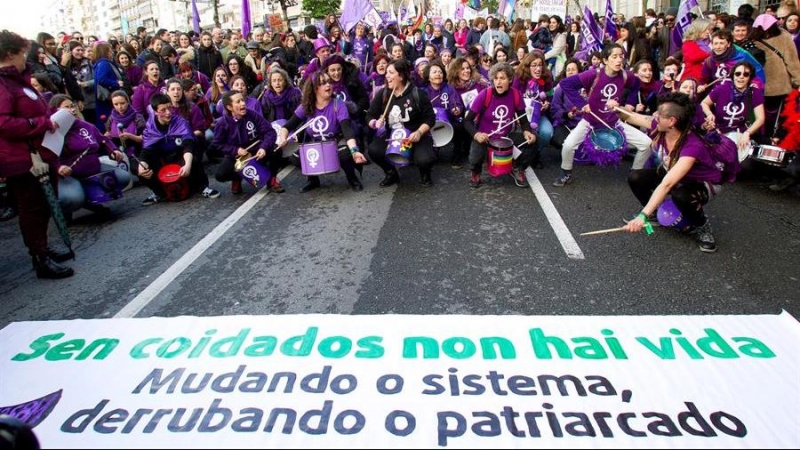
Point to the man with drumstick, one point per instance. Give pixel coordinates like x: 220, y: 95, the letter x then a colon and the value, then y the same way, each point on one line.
x: 168, y: 138
x: 605, y: 87
x: 495, y: 117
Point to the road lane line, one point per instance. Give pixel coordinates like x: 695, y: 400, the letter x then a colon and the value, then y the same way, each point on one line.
x: 159, y: 284
x: 568, y: 242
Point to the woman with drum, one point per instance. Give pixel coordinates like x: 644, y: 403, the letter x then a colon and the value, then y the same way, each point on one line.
x: 447, y: 104
x: 280, y: 98
x: 408, y: 116
x: 736, y: 107
x: 492, y: 117
x: 605, y: 87
x: 242, y: 133
x: 467, y: 83
x: 80, y: 160
x: 565, y: 114
x: 687, y: 171
x: 327, y: 120
x: 534, y: 81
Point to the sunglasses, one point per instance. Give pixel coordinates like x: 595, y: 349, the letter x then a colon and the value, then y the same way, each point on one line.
x: 782, y: 17
x: 741, y: 74
x: 670, y: 20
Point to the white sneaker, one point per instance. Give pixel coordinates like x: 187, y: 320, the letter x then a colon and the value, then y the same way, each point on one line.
x: 210, y: 193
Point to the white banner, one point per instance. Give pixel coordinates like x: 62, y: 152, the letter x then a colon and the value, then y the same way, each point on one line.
x: 549, y: 7
x: 328, y: 381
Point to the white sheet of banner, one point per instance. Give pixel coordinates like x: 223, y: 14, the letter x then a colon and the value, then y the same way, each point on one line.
x: 549, y: 7
x: 393, y: 381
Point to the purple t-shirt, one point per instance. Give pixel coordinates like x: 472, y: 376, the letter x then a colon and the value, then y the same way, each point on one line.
x: 325, y: 126
x: 446, y: 98
x: 499, y: 113
x: 606, y: 88
x: 703, y: 168
x: 731, y: 107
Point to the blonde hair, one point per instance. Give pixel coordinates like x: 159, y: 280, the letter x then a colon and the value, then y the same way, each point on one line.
x: 696, y: 29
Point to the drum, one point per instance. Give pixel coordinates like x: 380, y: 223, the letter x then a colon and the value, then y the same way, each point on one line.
x: 670, y: 216
x: 102, y: 187
x: 442, y: 131
x: 745, y: 152
x: 291, y: 147
x: 176, y: 187
x: 319, y: 158
x: 122, y: 169
x: 398, y: 153
x: 253, y: 172
x: 605, y: 146
x: 772, y: 155
x: 500, y: 156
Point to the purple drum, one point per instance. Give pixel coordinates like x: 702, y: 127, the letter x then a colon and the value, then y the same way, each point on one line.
x: 102, y: 187
x: 442, y: 131
x: 670, y: 216
x: 398, y: 153
x: 319, y: 158
x: 255, y: 173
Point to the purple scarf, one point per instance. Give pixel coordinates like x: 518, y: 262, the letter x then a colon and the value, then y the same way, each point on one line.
x: 128, y: 121
x: 178, y: 130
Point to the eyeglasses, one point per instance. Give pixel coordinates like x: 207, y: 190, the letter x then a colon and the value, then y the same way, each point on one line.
x: 486, y: 60
x: 742, y: 74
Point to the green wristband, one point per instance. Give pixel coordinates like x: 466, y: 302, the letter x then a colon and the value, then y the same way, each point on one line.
x: 647, y: 227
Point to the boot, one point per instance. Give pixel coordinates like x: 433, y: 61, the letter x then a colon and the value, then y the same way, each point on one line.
x: 426, y: 179
x: 60, y: 254
x: 475, y: 180
x: 391, y: 178
x: 47, y: 268
x: 311, y: 184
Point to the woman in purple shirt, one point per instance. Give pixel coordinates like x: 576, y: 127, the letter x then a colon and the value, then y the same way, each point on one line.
x: 151, y: 85
x: 687, y: 171
x: 443, y: 96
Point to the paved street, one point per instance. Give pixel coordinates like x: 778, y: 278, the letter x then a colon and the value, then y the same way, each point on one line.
x: 412, y: 250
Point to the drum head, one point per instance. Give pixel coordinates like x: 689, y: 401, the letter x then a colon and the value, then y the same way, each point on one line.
x: 501, y: 143
x: 607, y: 139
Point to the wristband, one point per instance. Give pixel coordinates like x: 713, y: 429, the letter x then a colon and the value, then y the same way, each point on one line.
x: 647, y: 227
x: 353, y: 150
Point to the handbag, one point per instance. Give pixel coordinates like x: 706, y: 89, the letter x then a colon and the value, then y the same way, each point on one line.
x: 102, y: 93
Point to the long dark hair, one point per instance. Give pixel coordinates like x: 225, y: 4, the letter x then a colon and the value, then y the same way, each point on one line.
x: 309, y: 99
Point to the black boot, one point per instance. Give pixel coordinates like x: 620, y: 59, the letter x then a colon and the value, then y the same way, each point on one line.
x: 60, y: 254
x: 426, y: 179
x: 311, y: 184
x: 391, y: 178
x: 47, y: 268
x: 7, y: 213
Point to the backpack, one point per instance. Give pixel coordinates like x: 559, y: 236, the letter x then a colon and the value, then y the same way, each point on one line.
x: 724, y: 153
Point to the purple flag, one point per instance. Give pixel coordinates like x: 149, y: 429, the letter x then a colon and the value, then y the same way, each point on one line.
x: 245, y: 19
x: 610, y: 27
x: 195, y: 17
x: 353, y: 11
x: 591, y: 32
x: 682, y: 22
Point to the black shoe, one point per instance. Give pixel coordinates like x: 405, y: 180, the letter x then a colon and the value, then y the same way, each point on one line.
x: 60, y: 254
x: 47, y: 268
x: 391, y: 178
x: 310, y: 185
x: 357, y: 186
x: 7, y: 213
x: 705, y: 240
x: 426, y: 180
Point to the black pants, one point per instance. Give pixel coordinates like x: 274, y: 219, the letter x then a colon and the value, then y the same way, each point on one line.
x: 689, y: 197
x: 155, y: 159
x: 421, y: 154
x: 478, y: 152
x: 560, y: 134
x: 461, y: 142
x: 33, y: 209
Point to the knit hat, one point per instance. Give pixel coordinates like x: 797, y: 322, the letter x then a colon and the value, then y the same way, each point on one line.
x: 765, y: 21
x: 334, y: 59
x: 420, y: 61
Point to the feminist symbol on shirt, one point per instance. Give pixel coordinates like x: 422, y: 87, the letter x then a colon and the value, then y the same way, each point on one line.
x: 722, y: 72
x: 500, y: 113
x: 608, y: 92
x: 319, y: 126
x: 444, y: 99
x: 85, y: 134
x: 733, y: 113
x: 251, y: 129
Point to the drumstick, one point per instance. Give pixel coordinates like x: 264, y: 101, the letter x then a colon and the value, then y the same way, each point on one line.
x: 252, y: 145
x: 297, y: 131
x: 498, y: 130
x: 609, y: 230
x: 388, y: 103
x: 601, y: 120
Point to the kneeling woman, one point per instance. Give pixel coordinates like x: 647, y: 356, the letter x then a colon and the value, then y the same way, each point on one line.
x: 687, y: 171
x: 80, y: 159
x: 235, y: 132
x: 328, y: 120
x: 402, y: 106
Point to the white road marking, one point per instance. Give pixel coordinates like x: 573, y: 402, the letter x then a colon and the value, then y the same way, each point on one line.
x: 563, y: 234
x: 159, y: 284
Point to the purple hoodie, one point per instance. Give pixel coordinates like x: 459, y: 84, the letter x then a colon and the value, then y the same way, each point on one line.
x: 230, y: 134
x: 84, y: 136
x: 142, y: 95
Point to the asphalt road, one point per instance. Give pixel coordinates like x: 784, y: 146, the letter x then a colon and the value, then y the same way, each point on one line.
x: 411, y: 250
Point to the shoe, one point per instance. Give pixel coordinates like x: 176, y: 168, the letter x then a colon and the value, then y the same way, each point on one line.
x: 705, y: 240
x: 563, y: 179
x: 210, y: 193
x: 519, y: 178
x: 236, y: 187
x: 475, y: 181
x: 60, y: 254
x: 275, y: 186
x: 391, y: 178
x: 7, y: 213
x: 784, y: 184
x: 311, y: 184
x: 426, y: 180
x: 47, y: 268
x: 152, y: 200
x: 356, y: 185
x: 456, y: 166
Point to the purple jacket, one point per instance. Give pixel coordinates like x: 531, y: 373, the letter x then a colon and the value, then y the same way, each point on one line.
x: 83, y: 136
x: 24, y: 118
x: 231, y: 133
x: 134, y: 75
x: 142, y: 95
x: 560, y: 107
